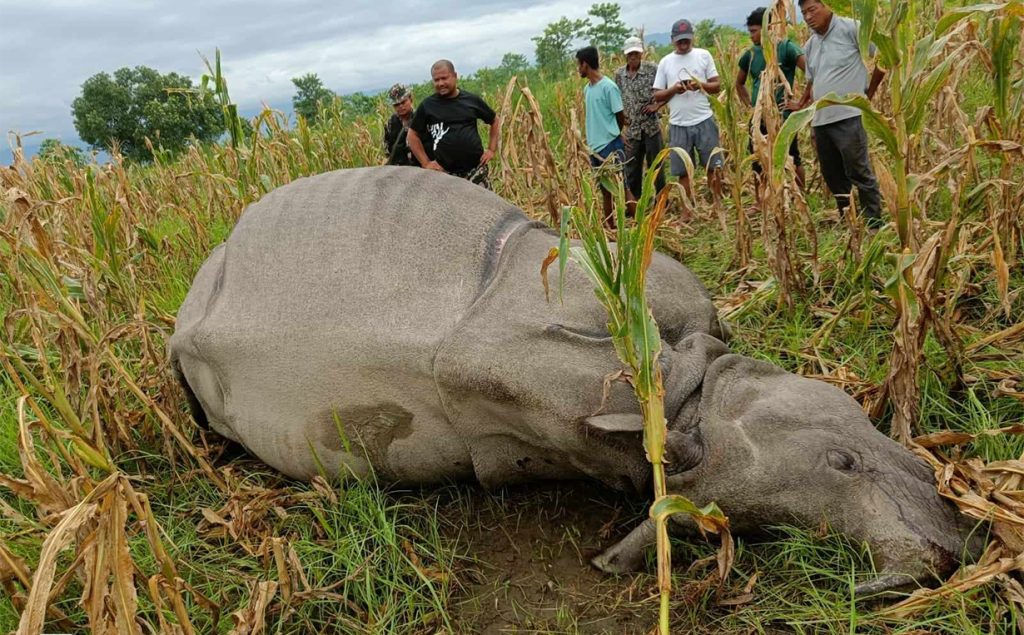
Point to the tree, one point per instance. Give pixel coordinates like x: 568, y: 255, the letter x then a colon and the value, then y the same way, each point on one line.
x: 553, y: 47
x: 360, y: 103
x: 140, y: 103
x: 311, y: 98
x: 53, y: 151
x: 611, y: 32
x: 512, y: 63
x: 707, y: 31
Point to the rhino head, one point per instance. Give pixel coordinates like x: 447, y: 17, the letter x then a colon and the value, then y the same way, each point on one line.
x: 772, y: 448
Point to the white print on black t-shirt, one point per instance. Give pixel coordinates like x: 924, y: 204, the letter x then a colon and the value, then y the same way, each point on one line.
x: 437, y: 131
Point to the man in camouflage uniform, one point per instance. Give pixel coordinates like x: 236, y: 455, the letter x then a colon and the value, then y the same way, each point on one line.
x: 396, y: 128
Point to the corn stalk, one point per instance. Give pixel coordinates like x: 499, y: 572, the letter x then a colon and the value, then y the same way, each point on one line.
x: 919, y: 57
x: 732, y: 120
x: 782, y: 202
x: 618, y: 273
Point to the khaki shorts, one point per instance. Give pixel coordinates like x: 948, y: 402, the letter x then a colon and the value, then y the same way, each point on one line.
x: 699, y: 141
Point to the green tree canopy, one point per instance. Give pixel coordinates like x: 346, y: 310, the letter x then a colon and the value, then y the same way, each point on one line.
x: 554, y: 46
x: 312, y: 97
x: 140, y: 103
x: 707, y: 31
x: 608, y: 32
x: 512, y: 63
x: 52, y: 150
x: 360, y: 103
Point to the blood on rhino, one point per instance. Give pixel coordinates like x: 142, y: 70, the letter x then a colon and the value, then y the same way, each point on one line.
x: 393, y: 319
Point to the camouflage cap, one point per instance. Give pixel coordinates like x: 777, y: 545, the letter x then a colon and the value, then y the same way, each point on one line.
x: 399, y: 93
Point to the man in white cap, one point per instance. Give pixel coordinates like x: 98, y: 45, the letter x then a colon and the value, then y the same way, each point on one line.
x: 685, y: 79
x: 643, y: 130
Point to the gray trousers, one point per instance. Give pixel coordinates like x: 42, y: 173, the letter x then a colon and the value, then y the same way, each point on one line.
x: 843, y: 153
x: 646, y: 147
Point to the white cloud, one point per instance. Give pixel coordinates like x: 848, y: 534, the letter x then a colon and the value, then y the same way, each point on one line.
x: 49, y: 47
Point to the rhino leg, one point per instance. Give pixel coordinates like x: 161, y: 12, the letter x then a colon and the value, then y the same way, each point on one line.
x: 627, y: 555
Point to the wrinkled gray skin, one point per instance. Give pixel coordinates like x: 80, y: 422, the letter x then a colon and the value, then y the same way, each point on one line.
x: 394, y: 319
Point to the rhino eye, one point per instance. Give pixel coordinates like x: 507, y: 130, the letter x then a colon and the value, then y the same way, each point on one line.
x: 842, y: 460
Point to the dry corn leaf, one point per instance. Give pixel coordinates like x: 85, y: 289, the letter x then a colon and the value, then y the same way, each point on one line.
x: 951, y: 437
x: 251, y: 620
x: 967, y: 578
x: 57, y: 540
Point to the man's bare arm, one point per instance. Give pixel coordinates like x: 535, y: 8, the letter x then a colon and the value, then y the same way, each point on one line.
x: 670, y: 92
x: 876, y: 79
x: 416, y: 146
x: 741, y: 88
x: 805, y: 100
x: 494, y: 137
x: 493, y: 141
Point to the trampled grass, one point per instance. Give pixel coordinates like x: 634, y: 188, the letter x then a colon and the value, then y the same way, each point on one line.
x: 94, y: 263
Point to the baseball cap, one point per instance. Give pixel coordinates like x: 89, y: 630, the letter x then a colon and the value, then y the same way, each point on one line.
x: 633, y: 45
x: 398, y: 93
x: 682, y: 30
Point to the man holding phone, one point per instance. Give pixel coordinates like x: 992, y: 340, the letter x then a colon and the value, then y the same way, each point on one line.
x: 684, y: 79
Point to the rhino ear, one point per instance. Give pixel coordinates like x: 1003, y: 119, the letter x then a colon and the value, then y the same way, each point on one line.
x: 616, y: 423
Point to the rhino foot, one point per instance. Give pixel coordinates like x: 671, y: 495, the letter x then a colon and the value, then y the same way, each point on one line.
x: 627, y: 555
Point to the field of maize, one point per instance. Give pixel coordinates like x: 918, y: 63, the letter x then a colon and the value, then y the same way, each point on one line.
x: 117, y: 515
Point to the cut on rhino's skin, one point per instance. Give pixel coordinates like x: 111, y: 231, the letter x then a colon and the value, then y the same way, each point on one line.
x: 393, y: 319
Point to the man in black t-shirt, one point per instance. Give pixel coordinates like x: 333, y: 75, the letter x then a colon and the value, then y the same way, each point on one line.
x: 443, y: 135
x: 395, y: 129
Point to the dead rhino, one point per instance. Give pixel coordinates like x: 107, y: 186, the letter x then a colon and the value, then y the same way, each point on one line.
x: 394, y: 319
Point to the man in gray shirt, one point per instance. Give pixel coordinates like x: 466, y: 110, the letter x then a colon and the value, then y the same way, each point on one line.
x: 834, y: 65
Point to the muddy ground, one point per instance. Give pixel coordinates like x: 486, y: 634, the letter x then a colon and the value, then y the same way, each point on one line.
x: 528, y: 567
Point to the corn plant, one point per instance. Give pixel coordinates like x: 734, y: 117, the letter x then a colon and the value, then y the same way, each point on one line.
x: 783, y: 207
x: 919, y: 58
x: 1003, y: 52
x: 732, y: 120
x: 618, y: 273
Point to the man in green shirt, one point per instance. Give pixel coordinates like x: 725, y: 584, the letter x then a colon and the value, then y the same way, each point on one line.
x: 752, y: 64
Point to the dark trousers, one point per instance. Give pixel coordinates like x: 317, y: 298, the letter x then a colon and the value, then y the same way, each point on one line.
x: 843, y: 153
x: 646, y: 147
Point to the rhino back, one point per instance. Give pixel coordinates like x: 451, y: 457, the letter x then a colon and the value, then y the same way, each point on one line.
x: 313, y: 329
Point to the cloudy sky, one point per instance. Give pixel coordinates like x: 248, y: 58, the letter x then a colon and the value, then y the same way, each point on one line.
x: 49, y: 47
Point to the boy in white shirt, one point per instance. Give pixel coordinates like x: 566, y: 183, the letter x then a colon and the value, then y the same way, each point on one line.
x: 685, y: 78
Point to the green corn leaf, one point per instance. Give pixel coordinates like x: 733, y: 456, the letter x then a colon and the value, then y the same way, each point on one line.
x: 796, y: 122
x: 899, y: 287
x: 74, y: 288
x: 875, y: 123
x: 953, y: 16
x: 90, y: 455
x: 563, y: 248
x: 600, y: 279
x: 709, y: 518
x: 898, y: 16
x: 864, y: 11
x: 888, y: 54
x: 919, y: 100
x: 1004, y: 43
x: 147, y: 238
